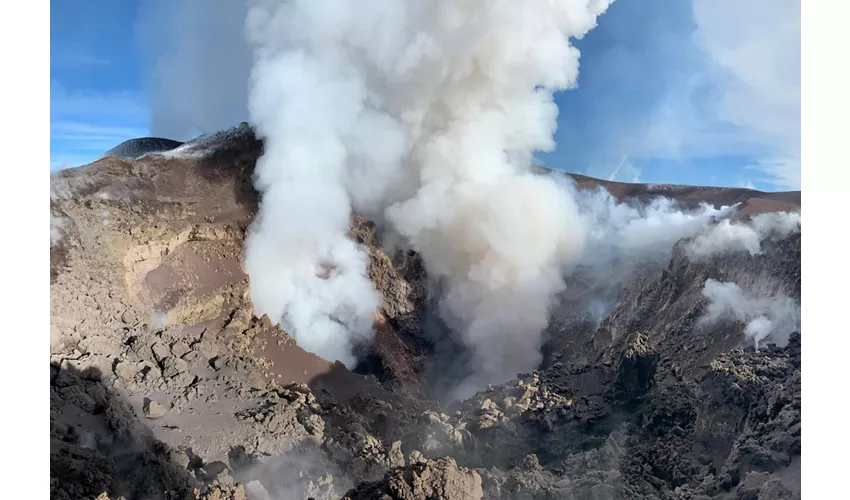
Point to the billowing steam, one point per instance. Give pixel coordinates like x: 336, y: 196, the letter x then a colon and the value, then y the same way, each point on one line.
x: 731, y: 236
x: 624, y: 241
x: 425, y: 115
x: 638, y: 233
x: 767, y: 317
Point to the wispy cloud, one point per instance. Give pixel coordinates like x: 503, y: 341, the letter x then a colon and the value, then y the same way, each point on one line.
x: 65, y: 130
x: 783, y: 173
x: 755, y: 47
x: 84, y: 124
x: 743, y: 95
x: 125, y: 105
x: 77, y: 136
x: 66, y: 59
x: 714, y: 83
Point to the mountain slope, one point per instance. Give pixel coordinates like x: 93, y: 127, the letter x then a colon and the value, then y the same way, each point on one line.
x: 163, y: 379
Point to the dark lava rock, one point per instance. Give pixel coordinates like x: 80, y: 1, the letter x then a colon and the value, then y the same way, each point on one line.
x: 135, y: 148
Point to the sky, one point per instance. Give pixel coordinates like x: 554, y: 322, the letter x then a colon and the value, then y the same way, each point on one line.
x: 694, y: 91
x: 97, y: 96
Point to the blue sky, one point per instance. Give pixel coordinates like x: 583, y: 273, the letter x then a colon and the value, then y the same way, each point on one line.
x: 97, y: 97
x: 690, y: 91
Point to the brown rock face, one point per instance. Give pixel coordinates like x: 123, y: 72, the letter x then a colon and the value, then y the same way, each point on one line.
x: 397, y: 353
x: 439, y: 479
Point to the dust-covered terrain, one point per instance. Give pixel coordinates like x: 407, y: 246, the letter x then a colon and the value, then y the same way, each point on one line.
x: 670, y: 367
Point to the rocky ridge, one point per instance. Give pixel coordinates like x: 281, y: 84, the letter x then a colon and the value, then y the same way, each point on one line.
x: 164, y: 384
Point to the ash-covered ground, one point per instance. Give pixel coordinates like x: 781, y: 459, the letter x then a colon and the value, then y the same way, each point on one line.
x: 165, y: 384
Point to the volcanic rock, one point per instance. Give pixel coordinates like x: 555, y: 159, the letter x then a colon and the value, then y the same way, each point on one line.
x: 149, y: 302
x: 154, y: 410
x: 439, y: 479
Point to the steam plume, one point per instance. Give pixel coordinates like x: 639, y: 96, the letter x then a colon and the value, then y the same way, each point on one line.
x: 56, y: 229
x: 425, y: 113
x: 624, y: 241
x: 775, y: 317
x: 730, y: 236
x: 641, y: 234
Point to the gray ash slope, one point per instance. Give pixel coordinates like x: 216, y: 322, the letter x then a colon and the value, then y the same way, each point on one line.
x: 133, y: 149
x: 164, y: 384
x: 136, y: 148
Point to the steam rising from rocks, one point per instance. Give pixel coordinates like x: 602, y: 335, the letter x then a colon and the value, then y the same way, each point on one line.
x: 638, y: 233
x: 775, y: 317
x: 424, y: 114
x: 729, y: 236
x: 56, y: 232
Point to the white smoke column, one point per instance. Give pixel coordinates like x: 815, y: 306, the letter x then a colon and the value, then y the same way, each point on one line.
x: 427, y: 112
x: 775, y: 317
x: 735, y: 236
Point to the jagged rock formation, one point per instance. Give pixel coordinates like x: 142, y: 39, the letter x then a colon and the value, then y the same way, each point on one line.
x: 165, y: 384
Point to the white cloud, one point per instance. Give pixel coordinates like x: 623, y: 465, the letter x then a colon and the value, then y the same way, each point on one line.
x: 755, y: 47
x: 743, y: 98
x: 79, y: 143
x: 783, y: 173
x: 689, y: 84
